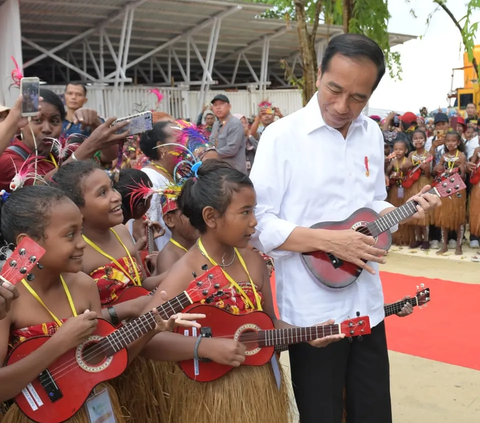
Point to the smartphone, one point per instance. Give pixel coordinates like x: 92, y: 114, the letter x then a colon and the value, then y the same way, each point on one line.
x: 396, y: 121
x: 439, y: 133
x: 30, y: 89
x: 140, y: 122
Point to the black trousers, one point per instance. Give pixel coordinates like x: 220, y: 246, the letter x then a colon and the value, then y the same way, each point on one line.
x: 319, y: 376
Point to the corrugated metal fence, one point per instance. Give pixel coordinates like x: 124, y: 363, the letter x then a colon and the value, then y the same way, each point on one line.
x: 179, y: 102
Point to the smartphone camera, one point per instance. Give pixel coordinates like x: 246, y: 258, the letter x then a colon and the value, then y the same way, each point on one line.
x: 396, y: 121
x: 30, y: 89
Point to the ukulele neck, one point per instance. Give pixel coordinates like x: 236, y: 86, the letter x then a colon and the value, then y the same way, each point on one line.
x: 395, y: 308
x: 288, y: 336
x: 394, y: 217
x: 138, y: 327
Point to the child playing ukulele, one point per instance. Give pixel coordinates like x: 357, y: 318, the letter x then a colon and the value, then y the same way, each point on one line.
x: 396, y: 170
x: 452, y: 215
x: 420, y: 157
x: 219, y: 203
x: 61, y: 301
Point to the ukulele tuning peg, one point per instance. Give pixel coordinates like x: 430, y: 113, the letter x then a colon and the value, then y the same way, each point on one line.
x: 194, y: 274
x: 13, y: 263
x: 350, y: 339
x: 459, y: 195
x: 358, y: 314
x: 360, y: 338
x: 216, y: 286
x: 418, y: 287
x: 210, y: 276
x: 422, y: 285
x: 40, y: 266
x: 199, y: 283
x: 33, y: 259
x: 30, y: 277
x: 22, y: 251
x: 204, y: 292
x: 205, y: 267
x: 23, y: 270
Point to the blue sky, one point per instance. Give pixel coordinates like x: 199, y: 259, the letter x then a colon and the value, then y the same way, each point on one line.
x: 427, y: 63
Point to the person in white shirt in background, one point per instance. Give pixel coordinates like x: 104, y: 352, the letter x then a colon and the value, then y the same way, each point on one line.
x: 322, y: 163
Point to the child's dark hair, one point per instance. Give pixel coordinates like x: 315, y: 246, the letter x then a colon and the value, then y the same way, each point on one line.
x: 214, y: 187
x: 127, y: 179
x: 403, y: 141
x: 51, y: 98
x: 27, y: 210
x: 69, y: 179
x: 149, y: 139
x: 421, y: 132
x: 461, y: 145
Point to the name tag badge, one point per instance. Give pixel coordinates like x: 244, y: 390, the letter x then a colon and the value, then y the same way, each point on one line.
x: 401, y: 192
x: 99, y: 408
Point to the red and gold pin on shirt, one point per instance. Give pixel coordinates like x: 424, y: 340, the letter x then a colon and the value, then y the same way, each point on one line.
x: 367, y: 170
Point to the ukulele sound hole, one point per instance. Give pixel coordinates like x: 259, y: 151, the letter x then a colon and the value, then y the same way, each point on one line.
x: 91, y: 356
x: 248, y: 335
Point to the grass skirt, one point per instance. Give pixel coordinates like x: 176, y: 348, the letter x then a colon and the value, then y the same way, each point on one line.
x: 142, y: 390
x: 415, y: 189
x: 475, y: 210
x: 452, y: 214
x: 405, y: 234
x: 14, y: 415
x: 248, y: 394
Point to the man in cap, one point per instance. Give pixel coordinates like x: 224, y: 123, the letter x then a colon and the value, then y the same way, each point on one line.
x: 228, y: 134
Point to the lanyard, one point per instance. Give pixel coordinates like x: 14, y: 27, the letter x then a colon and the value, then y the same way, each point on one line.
x: 451, y: 162
x: 67, y: 292
x: 397, y: 169
x: 231, y: 280
x: 160, y: 167
x: 137, y: 281
x: 177, y: 244
x: 53, y: 160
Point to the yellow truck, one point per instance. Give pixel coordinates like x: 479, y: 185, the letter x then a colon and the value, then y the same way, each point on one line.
x: 470, y: 92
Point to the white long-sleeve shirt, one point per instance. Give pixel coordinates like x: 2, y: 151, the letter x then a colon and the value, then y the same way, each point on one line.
x: 306, y: 172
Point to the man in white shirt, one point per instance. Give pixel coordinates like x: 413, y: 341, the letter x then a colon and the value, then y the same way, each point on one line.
x: 321, y: 164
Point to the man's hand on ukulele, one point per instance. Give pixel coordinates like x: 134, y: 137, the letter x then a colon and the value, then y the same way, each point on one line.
x: 425, y: 202
x: 323, y: 342
x: 355, y: 248
x: 406, y: 309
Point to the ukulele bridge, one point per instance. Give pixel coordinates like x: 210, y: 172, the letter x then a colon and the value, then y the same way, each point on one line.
x: 49, y: 385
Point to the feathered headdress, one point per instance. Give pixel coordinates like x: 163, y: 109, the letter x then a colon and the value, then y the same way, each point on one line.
x: 265, y: 104
x: 17, y: 73
x: 156, y: 92
x: 140, y: 191
x: 63, y: 147
x: 168, y: 199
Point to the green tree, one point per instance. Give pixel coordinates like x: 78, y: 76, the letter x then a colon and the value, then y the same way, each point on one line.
x: 369, y: 17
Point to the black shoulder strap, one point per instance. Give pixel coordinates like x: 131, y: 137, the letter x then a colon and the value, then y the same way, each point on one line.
x: 20, y: 151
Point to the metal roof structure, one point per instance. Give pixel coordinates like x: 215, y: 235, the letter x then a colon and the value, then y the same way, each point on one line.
x: 160, y: 42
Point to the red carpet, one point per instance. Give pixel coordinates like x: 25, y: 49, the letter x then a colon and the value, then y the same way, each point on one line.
x: 447, y: 330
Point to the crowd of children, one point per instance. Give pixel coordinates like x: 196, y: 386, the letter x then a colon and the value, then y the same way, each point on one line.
x: 413, y: 160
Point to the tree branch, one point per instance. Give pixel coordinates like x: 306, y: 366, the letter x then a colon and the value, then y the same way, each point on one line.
x: 457, y: 24
x: 318, y: 9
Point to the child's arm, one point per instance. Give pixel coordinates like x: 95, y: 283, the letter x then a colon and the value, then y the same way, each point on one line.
x: 17, y: 376
x: 389, y: 169
x: 408, y: 163
x: 439, y: 168
x: 168, y: 346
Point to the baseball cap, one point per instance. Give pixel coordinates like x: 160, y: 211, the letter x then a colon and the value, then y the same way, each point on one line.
x: 4, y: 108
x: 221, y: 97
x: 376, y: 118
x: 440, y: 117
x: 408, y: 118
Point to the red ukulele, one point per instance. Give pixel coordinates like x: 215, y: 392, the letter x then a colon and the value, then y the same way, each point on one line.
x: 421, y: 298
x: 334, y: 272
x: 257, y: 332
x: 414, y: 173
x: 59, y: 391
x: 475, y: 176
x: 18, y: 265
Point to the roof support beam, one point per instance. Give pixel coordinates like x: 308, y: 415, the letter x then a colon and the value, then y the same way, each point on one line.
x: 58, y: 59
x: 191, y: 31
x: 101, y: 25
